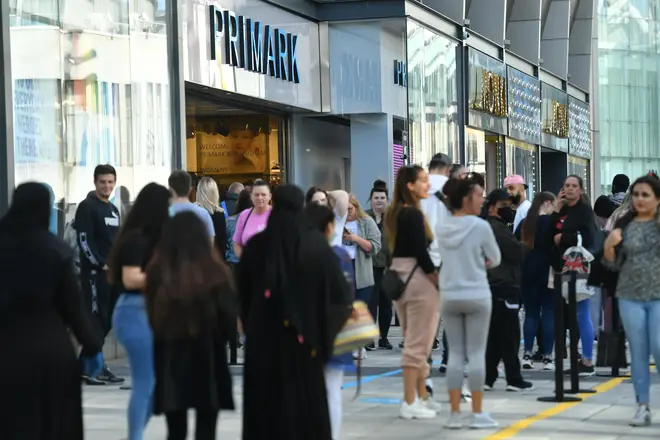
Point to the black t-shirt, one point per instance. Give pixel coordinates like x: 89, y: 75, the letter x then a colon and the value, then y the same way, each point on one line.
x: 134, y: 252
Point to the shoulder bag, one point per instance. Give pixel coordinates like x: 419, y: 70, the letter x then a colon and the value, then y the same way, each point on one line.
x: 393, y: 286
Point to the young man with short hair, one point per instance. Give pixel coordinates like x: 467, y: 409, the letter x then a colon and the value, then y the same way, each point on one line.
x: 96, y: 224
x: 180, y: 184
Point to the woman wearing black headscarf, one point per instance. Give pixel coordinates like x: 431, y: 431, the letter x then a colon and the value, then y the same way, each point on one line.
x: 40, y: 396
x: 294, y: 300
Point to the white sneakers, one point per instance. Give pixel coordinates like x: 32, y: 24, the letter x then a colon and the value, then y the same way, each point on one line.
x: 476, y: 421
x: 419, y: 409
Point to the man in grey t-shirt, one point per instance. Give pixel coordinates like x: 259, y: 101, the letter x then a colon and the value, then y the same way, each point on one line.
x: 180, y: 184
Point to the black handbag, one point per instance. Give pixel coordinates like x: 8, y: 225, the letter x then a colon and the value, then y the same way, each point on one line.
x: 393, y: 286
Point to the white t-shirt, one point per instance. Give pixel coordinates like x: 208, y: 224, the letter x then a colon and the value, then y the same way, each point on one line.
x: 351, y: 248
x: 521, y: 213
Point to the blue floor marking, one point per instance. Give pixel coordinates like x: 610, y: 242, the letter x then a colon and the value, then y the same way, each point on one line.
x: 373, y: 377
x: 381, y: 400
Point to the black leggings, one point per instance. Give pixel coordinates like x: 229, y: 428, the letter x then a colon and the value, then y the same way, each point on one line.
x: 177, y: 425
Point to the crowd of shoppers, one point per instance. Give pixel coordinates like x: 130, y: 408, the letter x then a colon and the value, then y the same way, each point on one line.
x: 175, y: 278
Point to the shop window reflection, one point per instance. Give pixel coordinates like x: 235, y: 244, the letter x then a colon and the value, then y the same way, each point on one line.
x: 580, y: 167
x: 96, y: 92
x: 521, y: 159
x: 432, y: 95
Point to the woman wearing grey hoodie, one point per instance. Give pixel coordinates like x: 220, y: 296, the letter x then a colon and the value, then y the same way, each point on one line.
x: 467, y: 249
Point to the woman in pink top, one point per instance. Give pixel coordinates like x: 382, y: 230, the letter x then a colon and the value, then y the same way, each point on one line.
x: 252, y: 221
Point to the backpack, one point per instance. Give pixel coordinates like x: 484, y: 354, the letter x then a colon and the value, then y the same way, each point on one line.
x: 70, y: 237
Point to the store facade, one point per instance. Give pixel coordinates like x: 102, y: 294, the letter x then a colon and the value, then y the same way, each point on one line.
x: 240, y: 90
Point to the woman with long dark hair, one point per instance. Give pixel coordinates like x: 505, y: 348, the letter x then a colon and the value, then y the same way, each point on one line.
x: 40, y: 297
x: 409, y: 237
x: 467, y: 248
x: 633, y: 248
x: 294, y: 300
x: 537, y: 298
x: 129, y: 256
x: 192, y: 309
x: 574, y: 216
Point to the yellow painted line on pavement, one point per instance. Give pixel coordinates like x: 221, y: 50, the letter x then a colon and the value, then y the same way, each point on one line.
x: 514, y: 429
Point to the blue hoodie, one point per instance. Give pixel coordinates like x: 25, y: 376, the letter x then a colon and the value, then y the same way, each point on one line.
x: 346, y: 265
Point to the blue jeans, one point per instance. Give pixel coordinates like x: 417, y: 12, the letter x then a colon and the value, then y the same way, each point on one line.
x: 641, y: 321
x: 539, y: 305
x: 585, y: 328
x: 131, y: 326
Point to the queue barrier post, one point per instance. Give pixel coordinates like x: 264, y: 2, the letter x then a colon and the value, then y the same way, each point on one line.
x: 560, y: 336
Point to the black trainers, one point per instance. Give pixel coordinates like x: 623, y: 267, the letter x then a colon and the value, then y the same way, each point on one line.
x: 436, y: 344
x: 370, y: 347
x: 443, y: 368
x: 94, y: 381
x: 109, y: 377
x: 401, y: 344
x: 527, y: 362
x: 384, y: 344
x: 520, y: 386
x: 583, y: 370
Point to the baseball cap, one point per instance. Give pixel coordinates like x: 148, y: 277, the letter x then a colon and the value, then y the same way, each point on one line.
x: 498, y: 195
x: 515, y: 179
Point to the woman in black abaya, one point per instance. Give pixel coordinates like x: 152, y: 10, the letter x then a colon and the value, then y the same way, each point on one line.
x: 40, y: 396
x: 294, y: 300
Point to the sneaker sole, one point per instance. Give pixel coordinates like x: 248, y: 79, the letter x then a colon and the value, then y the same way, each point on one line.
x: 493, y: 426
x: 519, y: 390
x: 418, y: 417
x: 593, y: 373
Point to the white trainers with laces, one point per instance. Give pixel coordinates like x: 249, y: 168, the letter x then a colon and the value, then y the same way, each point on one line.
x: 432, y: 405
x: 416, y: 410
x: 482, y: 421
x: 642, y: 416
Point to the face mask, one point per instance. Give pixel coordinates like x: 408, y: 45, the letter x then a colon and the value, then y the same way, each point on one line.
x: 506, y: 214
x: 516, y: 199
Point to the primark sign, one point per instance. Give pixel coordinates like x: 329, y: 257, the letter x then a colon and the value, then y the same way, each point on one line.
x: 252, y: 46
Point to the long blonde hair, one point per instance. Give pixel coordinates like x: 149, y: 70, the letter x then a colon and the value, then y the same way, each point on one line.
x: 356, y: 204
x: 208, y: 196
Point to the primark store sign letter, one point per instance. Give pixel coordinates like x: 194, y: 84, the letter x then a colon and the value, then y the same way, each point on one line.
x: 252, y: 46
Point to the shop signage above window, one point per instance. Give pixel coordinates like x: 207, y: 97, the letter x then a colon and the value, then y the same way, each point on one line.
x: 554, y: 116
x: 249, y: 45
x: 492, y: 99
x: 579, y: 128
x: 487, y: 92
x: 400, y: 73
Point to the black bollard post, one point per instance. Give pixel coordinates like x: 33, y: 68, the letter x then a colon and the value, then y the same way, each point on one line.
x: 233, y: 346
x: 560, y: 337
x: 618, y: 343
x: 574, y: 336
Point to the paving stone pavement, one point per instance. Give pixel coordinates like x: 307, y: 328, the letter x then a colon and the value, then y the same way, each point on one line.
x: 374, y: 415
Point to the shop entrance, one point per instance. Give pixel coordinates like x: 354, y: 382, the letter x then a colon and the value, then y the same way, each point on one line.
x: 484, y: 155
x: 232, y: 143
x: 553, y: 170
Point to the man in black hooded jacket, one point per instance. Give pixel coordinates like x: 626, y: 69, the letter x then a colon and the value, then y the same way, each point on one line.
x: 504, y: 280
